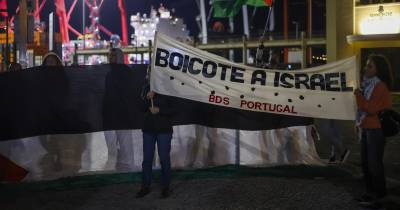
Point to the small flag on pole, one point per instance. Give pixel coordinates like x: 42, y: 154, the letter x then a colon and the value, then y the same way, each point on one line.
x: 268, y: 2
x: 230, y: 8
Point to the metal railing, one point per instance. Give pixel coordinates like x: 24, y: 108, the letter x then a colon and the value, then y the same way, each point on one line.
x: 226, y: 44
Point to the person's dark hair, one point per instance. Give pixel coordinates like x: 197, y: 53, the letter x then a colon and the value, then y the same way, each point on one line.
x: 52, y: 55
x: 119, y: 55
x: 15, y: 66
x: 383, y: 69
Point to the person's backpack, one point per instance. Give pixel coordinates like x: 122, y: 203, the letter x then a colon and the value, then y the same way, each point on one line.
x: 390, y: 122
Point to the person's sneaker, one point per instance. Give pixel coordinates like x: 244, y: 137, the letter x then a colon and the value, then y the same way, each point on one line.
x: 366, y: 199
x: 332, y: 159
x: 345, y: 155
x: 143, y: 192
x: 371, y: 204
x: 374, y: 205
x: 165, y: 192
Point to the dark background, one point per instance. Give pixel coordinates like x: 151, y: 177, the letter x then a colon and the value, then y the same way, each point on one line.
x: 188, y: 10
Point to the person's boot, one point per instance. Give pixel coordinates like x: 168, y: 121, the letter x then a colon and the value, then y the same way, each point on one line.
x: 165, y: 192
x: 344, y: 155
x: 143, y: 192
x: 332, y: 159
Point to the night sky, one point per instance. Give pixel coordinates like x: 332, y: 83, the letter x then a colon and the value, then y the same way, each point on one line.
x: 188, y: 10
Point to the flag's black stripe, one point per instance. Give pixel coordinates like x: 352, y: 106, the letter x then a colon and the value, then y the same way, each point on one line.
x: 42, y: 100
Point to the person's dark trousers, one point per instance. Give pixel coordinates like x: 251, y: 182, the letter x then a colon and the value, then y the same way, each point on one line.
x: 372, y: 148
x: 163, y: 141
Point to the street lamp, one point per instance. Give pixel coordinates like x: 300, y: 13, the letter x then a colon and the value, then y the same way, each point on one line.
x: 297, y: 28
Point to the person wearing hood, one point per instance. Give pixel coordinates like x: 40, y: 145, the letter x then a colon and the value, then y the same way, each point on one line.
x: 52, y: 59
x: 64, y: 151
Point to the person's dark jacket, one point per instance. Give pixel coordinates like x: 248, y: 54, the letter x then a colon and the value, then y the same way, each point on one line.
x: 160, y: 122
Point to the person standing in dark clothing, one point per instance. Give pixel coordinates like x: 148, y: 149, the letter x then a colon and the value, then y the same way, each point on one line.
x: 373, y: 98
x: 157, y: 128
x: 118, y: 99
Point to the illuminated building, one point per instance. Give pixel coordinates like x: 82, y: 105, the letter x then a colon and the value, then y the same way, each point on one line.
x: 363, y: 27
x: 165, y: 23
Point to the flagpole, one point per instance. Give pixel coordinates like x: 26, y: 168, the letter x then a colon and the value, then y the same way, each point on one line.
x: 232, y: 30
x: 260, y: 48
x: 152, y: 60
x: 266, y: 28
x: 245, y: 21
x: 203, y: 22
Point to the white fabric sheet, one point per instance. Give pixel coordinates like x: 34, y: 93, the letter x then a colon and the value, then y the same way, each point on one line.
x: 193, y: 146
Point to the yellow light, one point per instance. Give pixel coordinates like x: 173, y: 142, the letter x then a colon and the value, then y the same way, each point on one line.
x: 380, y: 25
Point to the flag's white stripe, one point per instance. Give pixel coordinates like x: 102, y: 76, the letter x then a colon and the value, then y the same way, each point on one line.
x: 193, y: 146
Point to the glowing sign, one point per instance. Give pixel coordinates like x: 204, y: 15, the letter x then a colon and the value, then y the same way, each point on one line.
x: 378, y: 19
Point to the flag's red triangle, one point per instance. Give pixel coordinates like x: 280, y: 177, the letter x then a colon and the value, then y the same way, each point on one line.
x: 268, y: 2
x: 11, y: 172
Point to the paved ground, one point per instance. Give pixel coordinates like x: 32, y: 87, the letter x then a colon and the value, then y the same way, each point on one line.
x: 252, y: 192
x: 240, y: 193
x: 288, y: 187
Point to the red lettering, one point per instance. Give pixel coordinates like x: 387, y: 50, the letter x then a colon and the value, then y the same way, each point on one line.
x: 211, y: 98
x: 226, y: 101
x: 218, y: 99
x: 250, y: 105
x: 265, y: 106
x: 272, y: 107
x: 279, y: 108
x: 242, y: 103
x: 258, y: 106
x: 292, y: 111
x: 287, y: 109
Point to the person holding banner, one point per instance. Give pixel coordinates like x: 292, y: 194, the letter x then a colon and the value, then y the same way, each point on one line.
x: 157, y: 128
x: 373, y: 98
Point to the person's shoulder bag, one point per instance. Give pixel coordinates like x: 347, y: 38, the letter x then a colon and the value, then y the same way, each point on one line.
x: 390, y: 122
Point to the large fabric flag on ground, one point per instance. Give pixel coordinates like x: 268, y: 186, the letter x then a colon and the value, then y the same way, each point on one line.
x: 230, y: 8
x: 85, y: 99
x: 322, y: 92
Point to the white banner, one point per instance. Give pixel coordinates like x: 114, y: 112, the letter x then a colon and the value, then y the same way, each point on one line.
x: 183, y: 71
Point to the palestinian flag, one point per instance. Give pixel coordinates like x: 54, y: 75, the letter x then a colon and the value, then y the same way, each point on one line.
x: 230, y: 8
x: 60, y: 122
x: 47, y: 100
x: 259, y: 3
